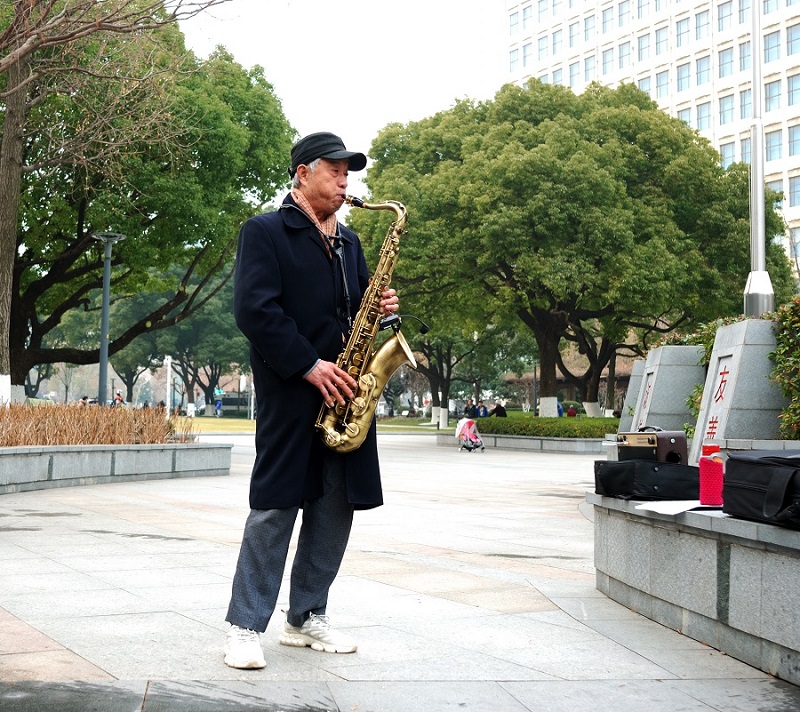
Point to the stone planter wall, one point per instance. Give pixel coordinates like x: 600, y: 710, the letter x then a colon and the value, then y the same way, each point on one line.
x: 727, y: 582
x: 30, y: 468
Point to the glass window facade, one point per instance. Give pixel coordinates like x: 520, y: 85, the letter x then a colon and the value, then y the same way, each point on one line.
x: 624, y: 55
x: 794, y: 140
x: 588, y: 28
x: 608, y: 60
x: 662, y: 40
x: 744, y: 56
x: 794, y: 191
x: 745, y: 150
x: 662, y: 84
x: 746, y: 104
x: 624, y: 13
x: 702, y: 24
x: 793, y: 40
x: 703, y: 70
x: 682, y: 32
x: 643, y: 47
x: 704, y: 116
x: 773, y: 143
x: 725, y: 16
x: 772, y: 95
x: 725, y: 61
x: 772, y: 46
x: 793, y: 89
x: 590, y: 68
x: 726, y: 154
x: 744, y: 11
x: 683, y: 76
x: 726, y: 109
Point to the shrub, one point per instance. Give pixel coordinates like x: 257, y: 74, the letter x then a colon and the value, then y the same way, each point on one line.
x: 786, y: 358
x: 22, y: 425
x: 531, y: 425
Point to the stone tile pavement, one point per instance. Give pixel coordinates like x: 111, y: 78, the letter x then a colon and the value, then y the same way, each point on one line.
x: 471, y: 589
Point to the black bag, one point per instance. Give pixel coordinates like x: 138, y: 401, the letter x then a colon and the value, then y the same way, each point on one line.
x: 763, y: 485
x: 646, y: 480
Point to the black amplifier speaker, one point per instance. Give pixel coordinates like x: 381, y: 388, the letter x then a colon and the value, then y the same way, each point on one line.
x: 658, y: 445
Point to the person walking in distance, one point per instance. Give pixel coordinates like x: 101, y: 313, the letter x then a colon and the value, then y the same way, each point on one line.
x: 299, y: 280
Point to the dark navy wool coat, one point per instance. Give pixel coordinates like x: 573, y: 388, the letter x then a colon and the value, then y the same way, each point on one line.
x: 289, y: 302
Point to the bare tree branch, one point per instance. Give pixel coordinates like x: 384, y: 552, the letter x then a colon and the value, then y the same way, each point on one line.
x: 40, y: 25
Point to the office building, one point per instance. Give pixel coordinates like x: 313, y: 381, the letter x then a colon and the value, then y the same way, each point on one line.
x: 693, y: 57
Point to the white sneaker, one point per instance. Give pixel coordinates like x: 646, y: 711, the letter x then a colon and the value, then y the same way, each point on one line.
x: 243, y: 649
x: 317, y: 633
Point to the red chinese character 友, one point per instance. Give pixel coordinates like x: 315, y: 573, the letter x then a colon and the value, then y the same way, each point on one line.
x: 720, y: 394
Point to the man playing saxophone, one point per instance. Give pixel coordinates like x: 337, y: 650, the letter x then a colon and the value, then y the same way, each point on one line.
x: 299, y: 279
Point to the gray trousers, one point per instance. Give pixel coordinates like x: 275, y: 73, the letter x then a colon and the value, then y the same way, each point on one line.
x: 324, y: 533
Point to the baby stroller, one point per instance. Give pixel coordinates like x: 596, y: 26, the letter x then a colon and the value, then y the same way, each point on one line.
x: 469, y: 438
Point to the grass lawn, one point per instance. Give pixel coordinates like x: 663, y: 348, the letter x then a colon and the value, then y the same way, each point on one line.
x: 203, y: 424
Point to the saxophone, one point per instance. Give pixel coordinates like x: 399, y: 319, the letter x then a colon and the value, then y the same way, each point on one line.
x: 344, y: 427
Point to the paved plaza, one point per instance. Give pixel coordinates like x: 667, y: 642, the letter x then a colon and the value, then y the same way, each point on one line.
x: 472, y: 589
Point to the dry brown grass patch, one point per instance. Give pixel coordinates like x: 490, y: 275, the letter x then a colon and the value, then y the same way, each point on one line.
x: 26, y: 425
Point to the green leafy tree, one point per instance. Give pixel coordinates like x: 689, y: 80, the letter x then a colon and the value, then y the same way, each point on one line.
x: 49, y: 53
x: 583, y: 217
x: 207, y: 345
x: 180, y: 201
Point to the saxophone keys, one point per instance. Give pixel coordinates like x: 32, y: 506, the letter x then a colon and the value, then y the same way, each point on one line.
x: 332, y: 438
x: 367, y: 381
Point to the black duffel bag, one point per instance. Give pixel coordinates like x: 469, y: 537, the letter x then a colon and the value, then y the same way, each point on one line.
x: 646, y: 480
x: 763, y: 485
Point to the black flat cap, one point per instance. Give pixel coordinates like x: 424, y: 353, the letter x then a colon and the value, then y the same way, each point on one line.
x: 324, y: 145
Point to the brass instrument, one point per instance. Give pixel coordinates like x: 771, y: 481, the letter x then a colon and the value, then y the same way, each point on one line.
x: 344, y: 427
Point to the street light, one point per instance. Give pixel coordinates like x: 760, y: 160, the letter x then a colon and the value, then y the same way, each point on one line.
x: 108, y: 239
x: 759, y: 297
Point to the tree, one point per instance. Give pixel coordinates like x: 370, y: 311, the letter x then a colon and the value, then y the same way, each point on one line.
x: 583, y: 217
x: 179, y: 197
x: 37, y: 68
x: 207, y: 346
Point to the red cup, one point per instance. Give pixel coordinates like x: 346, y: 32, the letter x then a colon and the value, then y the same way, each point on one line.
x: 711, y: 479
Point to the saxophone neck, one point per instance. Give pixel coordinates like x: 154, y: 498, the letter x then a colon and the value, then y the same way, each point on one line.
x: 396, y: 206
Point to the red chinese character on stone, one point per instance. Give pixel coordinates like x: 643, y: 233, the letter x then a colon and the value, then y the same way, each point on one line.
x: 720, y: 394
x: 646, y: 394
x: 711, y: 430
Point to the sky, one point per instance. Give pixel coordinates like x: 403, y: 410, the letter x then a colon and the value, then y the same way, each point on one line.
x: 353, y: 67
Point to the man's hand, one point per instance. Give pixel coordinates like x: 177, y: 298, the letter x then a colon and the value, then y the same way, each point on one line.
x: 334, y: 383
x: 389, y: 302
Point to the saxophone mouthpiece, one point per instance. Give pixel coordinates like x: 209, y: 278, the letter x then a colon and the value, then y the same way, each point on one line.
x: 352, y: 200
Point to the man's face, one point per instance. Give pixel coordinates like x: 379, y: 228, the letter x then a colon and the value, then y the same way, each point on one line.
x: 326, y: 187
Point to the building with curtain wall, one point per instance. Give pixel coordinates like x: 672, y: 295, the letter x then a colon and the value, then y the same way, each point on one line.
x: 694, y: 58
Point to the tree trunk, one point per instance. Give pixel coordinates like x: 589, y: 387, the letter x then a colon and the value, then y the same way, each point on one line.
x: 10, y: 181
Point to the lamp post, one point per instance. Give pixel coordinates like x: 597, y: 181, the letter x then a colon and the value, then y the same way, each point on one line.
x: 759, y: 297
x: 108, y: 239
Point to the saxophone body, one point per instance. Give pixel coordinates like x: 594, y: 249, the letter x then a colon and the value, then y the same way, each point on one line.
x: 344, y: 427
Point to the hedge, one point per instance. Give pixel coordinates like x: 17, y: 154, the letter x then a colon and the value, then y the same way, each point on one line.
x: 527, y: 424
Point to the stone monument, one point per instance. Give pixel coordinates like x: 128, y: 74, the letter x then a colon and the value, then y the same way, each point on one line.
x: 740, y: 399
